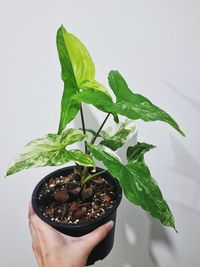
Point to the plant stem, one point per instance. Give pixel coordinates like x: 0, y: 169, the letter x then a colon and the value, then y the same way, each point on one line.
x: 85, y: 170
x: 83, y: 126
x: 92, y: 176
x: 95, y: 137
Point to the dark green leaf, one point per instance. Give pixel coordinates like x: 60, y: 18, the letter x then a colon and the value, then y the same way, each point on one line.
x: 138, y: 185
x: 94, y: 87
x: 109, y: 158
x: 136, y: 153
x: 79, y: 157
x: 98, y: 99
x: 141, y: 189
x: 135, y: 106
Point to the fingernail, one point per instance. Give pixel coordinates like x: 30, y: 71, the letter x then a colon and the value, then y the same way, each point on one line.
x: 109, y: 225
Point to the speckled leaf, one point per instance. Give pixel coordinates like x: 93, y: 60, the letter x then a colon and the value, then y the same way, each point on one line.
x: 135, y: 106
x: 128, y: 104
x: 116, y: 136
x: 136, y: 152
x: 138, y: 185
x: 50, y: 151
x: 71, y: 136
x: 50, y: 158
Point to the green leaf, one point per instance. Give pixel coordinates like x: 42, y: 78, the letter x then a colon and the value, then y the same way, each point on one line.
x: 90, y: 131
x: 50, y: 151
x: 93, y: 84
x: 136, y: 153
x: 135, y: 106
x: 109, y: 158
x: 78, y: 71
x: 138, y: 185
x: 141, y: 189
x: 69, y: 107
x: 71, y: 136
x: 73, y: 52
x: 98, y: 99
x: 95, y: 87
x: 79, y: 157
x: 50, y: 158
x: 116, y: 136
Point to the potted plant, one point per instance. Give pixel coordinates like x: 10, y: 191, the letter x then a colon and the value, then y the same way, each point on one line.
x: 77, y: 199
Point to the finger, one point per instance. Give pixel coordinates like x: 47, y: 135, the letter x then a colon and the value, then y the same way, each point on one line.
x: 36, y: 245
x: 39, y: 224
x: 92, y: 239
x: 30, y: 210
x: 47, y: 235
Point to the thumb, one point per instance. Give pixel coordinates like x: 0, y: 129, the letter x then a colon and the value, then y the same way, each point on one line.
x: 92, y: 239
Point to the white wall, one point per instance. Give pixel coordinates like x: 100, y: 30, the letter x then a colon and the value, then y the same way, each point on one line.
x: 155, y: 44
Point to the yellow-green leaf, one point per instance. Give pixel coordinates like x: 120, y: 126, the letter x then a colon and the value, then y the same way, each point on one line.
x: 77, y: 71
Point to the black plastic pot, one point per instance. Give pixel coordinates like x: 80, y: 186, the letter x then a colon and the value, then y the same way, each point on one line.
x: 104, y: 248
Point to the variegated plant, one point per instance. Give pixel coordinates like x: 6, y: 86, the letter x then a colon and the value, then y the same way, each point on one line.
x: 80, y: 86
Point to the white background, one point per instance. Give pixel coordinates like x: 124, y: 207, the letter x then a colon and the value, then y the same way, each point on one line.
x: 155, y: 45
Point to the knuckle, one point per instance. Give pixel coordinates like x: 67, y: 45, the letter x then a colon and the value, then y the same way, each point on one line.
x: 31, y: 217
x: 35, y: 247
x: 104, y: 230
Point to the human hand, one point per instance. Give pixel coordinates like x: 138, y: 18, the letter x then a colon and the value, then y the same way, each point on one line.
x: 54, y: 249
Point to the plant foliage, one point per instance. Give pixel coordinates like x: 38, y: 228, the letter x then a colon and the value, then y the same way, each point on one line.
x: 80, y: 86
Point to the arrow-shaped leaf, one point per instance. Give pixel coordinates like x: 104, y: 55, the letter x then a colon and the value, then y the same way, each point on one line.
x: 129, y: 104
x: 78, y: 71
x: 50, y: 151
x: 138, y: 185
x: 135, y: 106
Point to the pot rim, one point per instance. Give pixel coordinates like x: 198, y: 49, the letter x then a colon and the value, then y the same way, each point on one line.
x: 79, y: 225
